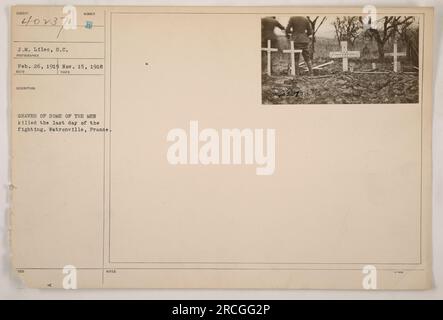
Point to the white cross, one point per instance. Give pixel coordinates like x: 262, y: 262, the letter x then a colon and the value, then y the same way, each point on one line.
x: 344, y: 54
x: 396, y: 54
x: 269, y: 50
x: 292, y: 52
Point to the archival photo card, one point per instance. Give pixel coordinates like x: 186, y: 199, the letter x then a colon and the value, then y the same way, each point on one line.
x: 150, y: 149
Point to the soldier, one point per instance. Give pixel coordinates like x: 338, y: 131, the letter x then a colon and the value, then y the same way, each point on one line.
x: 298, y: 30
x: 365, y: 51
x: 268, y: 24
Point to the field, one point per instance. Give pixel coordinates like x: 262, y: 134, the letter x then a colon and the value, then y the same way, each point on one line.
x: 331, y: 85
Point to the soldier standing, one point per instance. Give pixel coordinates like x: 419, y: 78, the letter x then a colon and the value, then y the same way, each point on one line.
x: 298, y: 30
x: 268, y: 25
x: 365, y: 51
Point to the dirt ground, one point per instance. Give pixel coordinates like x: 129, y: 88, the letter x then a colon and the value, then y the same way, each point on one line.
x: 331, y: 85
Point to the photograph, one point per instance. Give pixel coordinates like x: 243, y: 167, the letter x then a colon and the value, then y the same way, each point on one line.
x: 340, y: 60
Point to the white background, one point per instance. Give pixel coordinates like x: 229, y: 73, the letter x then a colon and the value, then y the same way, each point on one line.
x: 11, y: 288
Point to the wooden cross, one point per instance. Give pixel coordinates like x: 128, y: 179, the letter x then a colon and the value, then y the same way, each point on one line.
x: 344, y: 54
x: 269, y: 50
x: 396, y: 54
x: 292, y: 52
x: 320, y: 66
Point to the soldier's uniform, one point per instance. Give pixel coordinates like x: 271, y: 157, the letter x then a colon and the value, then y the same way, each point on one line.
x: 298, y: 30
x: 268, y: 24
x: 365, y: 51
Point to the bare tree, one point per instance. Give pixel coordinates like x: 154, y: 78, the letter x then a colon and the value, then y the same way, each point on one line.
x: 315, y: 28
x: 389, y: 27
x: 408, y: 33
x: 347, y: 29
